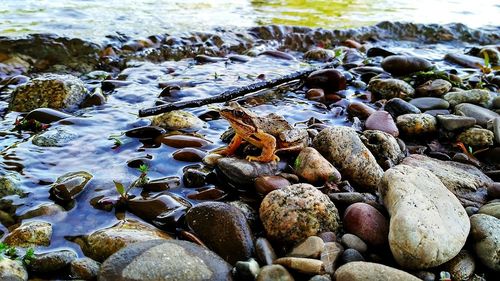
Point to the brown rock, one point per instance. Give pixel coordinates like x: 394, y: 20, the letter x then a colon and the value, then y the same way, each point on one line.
x: 367, y: 223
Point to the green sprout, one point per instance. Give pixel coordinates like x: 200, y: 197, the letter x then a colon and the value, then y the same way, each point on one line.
x: 118, y: 142
x: 141, y: 180
x: 29, y: 256
x: 10, y: 252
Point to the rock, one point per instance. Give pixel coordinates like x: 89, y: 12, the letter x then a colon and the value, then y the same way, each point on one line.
x: 455, y: 122
x: 84, y: 268
x: 351, y: 255
x: 494, y: 190
x: 391, y: 88
x: 493, y: 54
x: 69, y: 185
x: 180, y: 141
x: 476, y: 137
x: 467, y: 182
x: 494, y: 126
x: 302, y: 265
x: 437, y: 112
x: 330, y: 80
x: 481, y: 114
x: 319, y: 54
x: 208, y: 59
x: 207, y: 219
x: 351, y: 241
x: 95, y: 99
x: 189, y: 154
x: 145, y: 132
x: 382, y: 121
x: 12, y: 270
x: 496, y: 102
x: 315, y: 94
x: 324, y: 277
x: 51, y: 261
x: 162, y: 184
x: 250, y: 212
x: 9, y: 185
x: 309, y: 248
x: 461, y: 267
x: 246, y: 270
x: 425, y: 275
x: 428, y: 226
x: 345, y: 150
x: 383, y: 146
x: 367, y: 223
x: 57, y: 137
x: 397, y: 106
x: 49, y: 90
x: 46, y: 115
x: 474, y: 96
x: 400, y: 65
x: 30, y: 234
x: 195, y: 175
x: 359, y: 109
x: 243, y: 172
x: 429, y: 103
x: 278, y: 55
x: 464, y: 60
x: 274, y: 272
x: 266, y: 184
x: 178, y: 120
x: 433, y: 88
x: 314, y: 168
x: 180, y: 260
x: 416, y: 124
x: 296, y: 212
x: 361, y: 271
x: 330, y: 256
x: 55, y: 211
x: 265, y: 251
x: 492, y: 209
x: 102, y: 243
x: 348, y: 198
x: 485, y: 231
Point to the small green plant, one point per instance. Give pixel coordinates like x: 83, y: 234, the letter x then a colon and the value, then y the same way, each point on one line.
x: 29, y: 125
x: 116, y: 138
x: 12, y: 253
x: 141, y: 180
x: 487, y: 68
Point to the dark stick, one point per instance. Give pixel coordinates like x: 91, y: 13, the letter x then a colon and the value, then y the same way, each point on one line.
x: 231, y: 94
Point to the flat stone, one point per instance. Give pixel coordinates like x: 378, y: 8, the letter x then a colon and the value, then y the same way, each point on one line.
x: 362, y: 271
x: 492, y: 209
x: 58, y: 137
x: 416, y: 124
x: 455, y: 122
x: 274, y: 272
x: 30, y: 234
x: 302, y: 265
x: 397, y: 106
x: 69, y: 185
x: 481, y: 114
x: 433, y: 88
x: 309, y: 248
x: 243, y: 172
x: 51, y: 261
x: 429, y: 103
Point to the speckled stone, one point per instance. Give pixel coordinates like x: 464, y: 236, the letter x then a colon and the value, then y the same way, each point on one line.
x: 433, y: 88
x: 311, y: 166
x: 178, y: 120
x: 476, y: 137
x: 383, y: 146
x: 481, y: 114
x: 494, y: 126
x: 274, y: 272
x: 30, y: 234
x: 351, y: 241
x: 416, y: 124
x: 492, y: 209
x: 296, y: 212
x: 462, y: 266
x: 264, y: 251
x: 486, y: 234
x: 84, y: 268
x: 319, y: 54
x: 309, y: 248
x: 57, y: 137
x: 12, y: 270
x: 51, y: 261
x: 391, y: 88
x: 452, y: 122
x: 362, y: 271
x: 302, y: 265
x: 474, y: 96
x: 430, y: 103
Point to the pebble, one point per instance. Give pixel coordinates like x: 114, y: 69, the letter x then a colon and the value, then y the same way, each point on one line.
x: 311, y: 166
x: 391, y: 88
x: 351, y: 255
x: 69, y: 185
x: 400, y: 65
x: 145, y: 132
x: 274, y: 272
x: 51, y: 261
x: 95, y: 99
x: 397, y: 106
x: 330, y: 256
x: 462, y: 266
x: 242, y: 172
x: 430, y: 103
x: 464, y: 60
x: 485, y: 231
x: 30, y: 234
x: 494, y: 126
x: 433, y: 88
x: 181, y: 141
x: 84, y: 268
x: 324, y: 277
x: 367, y: 223
x: 46, y: 115
x: 315, y: 94
x: 481, y: 114
x: 474, y: 96
x: 416, y: 124
x: 309, y: 248
x: 476, y: 137
x: 265, y: 184
x: 302, y: 265
x: 492, y: 209
x: 12, y: 270
x: 55, y: 137
x: 382, y: 121
x: 162, y: 184
x: 189, y: 154
x: 362, y: 271
x: 277, y: 54
x: 351, y: 241
x: 265, y: 251
x: 246, y: 270
x: 359, y: 109
x: 178, y: 120
x: 330, y: 80
x: 437, y: 112
x: 162, y: 208
x: 452, y: 122
x: 319, y: 54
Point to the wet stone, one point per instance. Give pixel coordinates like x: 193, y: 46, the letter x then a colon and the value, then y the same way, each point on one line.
x: 69, y: 185
x: 57, y: 137
x: 455, y: 122
x: 264, y: 251
x: 195, y: 176
x: 9, y: 185
x: 189, y: 154
x: 351, y: 241
x: 162, y: 184
x: 178, y: 120
x: 429, y: 103
x: 46, y: 115
x: 30, y: 234
x: 391, y: 88
x: 416, y: 124
x: 464, y: 60
x: 330, y: 80
x: 351, y: 255
x: 481, y: 114
x: 145, y: 132
x: 397, y: 106
x: 84, y: 268
x: 243, y: 172
x: 246, y: 270
x: 476, y: 137
x: 403, y: 65
x: 12, y: 270
x: 274, y: 272
x: 382, y: 121
x: 359, y: 109
x: 319, y: 54
x: 51, y: 261
x: 309, y: 248
x: 433, y: 88
x: 180, y: 141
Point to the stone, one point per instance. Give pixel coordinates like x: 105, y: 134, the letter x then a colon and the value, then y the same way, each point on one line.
x: 476, y: 137
x: 181, y: 141
x: 242, y: 172
x: 397, y: 106
x: 265, y: 184
x: 464, y: 60
x: 311, y: 166
x: 359, y: 109
x: 178, y: 120
x: 30, y: 234
x: 52, y: 210
x: 51, y: 261
x: 309, y: 248
x: 433, y: 88
x: 69, y: 185
x: 302, y: 265
x: 429, y: 103
x: 492, y: 209
x: 296, y: 212
x: 46, y: 115
x: 452, y: 122
x: 330, y: 80
x: 145, y: 132
x: 12, y: 270
x: 404, y: 65
x: 367, y: 223
x: 428, y: 225
x: 57, y: 137
x: 345, y: 150
x: 84, y: 268
x: 485, y: 231
x: 249, y: 211
x: 331, y: 255
x: 189, y: 154
x: 382, y: 121
x: 474, y: 96
x: 274, y: 272
x: 180, y: 260
x: 351, y: 255
x: 324, y: 277
x: 351, y: 241
x: 467, y: 182
x: 233, y: 244
x: 49, y: 90
x: 481, y: 114
x: 102, y: 243
x: 315, y: 94
x: 9, y: 185
x: 416, y: 124
x: 246, y: 270
x: 265, y: 251
x: 383, y: 146
x: 391, y: 88
x: 361, y: 271
x: 494, y: 126
x: 319, y: 54
x: 462, y: 266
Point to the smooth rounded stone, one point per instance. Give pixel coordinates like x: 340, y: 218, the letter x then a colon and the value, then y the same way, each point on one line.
x: 95, y: 99
x: 211, y: 159
x: 493, y: 54
x: 162, y: 184
x: 328, y: 236
x: 391, y: 88
x: 57, y: 137
x: 464, y: 60
x: 46, y: 115
x: 416, y: 124
x: 208, y: 59
x: 163, y: 207
x: 207, y: 219
x: 492, y: 209
x: 244, y: 172
x: 362, y: 271
x: 189, y: 154
x: 296, y: 212
x: 467, y: 182
x: 330, y: 256
x: 165, y: 260
x: 367, y: 223
x: 351, y: 255
x: 12, y: 270
x: 278, y: 55
x: 311, y: 166
x: 382, y: 121
x: 430, y: 103
x: 274, y: 272
x: 178, y: 120
x: 471, y: 210
x: 250, y: 212
x: 266, y: 184
x: 494, y: 126
x: 10, y: 185
x: 102, y: 243
x: 359, y: 109
x: 315, y: 94
x: 496, y: 102
x: 330, y: 80
x: 428, y: 225
x: 383, y: 146
x: 246, y: 270
x: 481, y: 114
x: 351, y: 241
x: 52, y: 210
x: 476, y: 137
x: 309, y: 248
x: 145, y: 132
x: 461, y: 267
x: 68, y: 186
x: 49, y: 90
x: 84, y: 268
x: 265, y: 251
x: 180, y: 141
x: 30, y: 234
x: 302, y: 265
x: 474, y: 96
x: 433, y: 88
x: 348, y: 198
x: 402, y: 65
x: 452, y: 122
x: 437, y: 112
x: 319, y: 54
x: 345, y: 150
x: 494, y: 190
x: 51, y: 261
x: 425, y: 275
x: 485, y: 231
x: 397, y: 106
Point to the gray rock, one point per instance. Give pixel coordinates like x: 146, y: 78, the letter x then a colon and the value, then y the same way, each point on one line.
x: 265, y: 251
x: 474, y: 96
x: 46, y: 115
x: 309, y: 248
x: 476, y: 137
x: 397, y: 106
x: 30, y: 234
x: 452, y: 122
x: 416, y: 124
x: 324, y: 277
x: 345, y: 150
x: 351, y: 241
x: 246, y: 270
x: 391, y: 88
x: 481, y: 114
x: 165, y: 260
x: 274, y: 272
x: 461, y: 267
x: 178, y: 120
x: 302, y: 265
x: 428, y: 226
x: 12, y: 270
x: 243, y: 172
x: 51, y: 261
x: 485, y: 231
x: 207, y: 219
x: 464, y: 60
x: 492, y: 209
x: 494, y: 126
x: 433, y: 88
x: 383, y: 146
x: 319, y: 54
x: 84, y: 268
x: 69, y: 185
x: 429, y: 103
x: 362, y: 271
x: 58, y: 137
x: 351, y: 255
